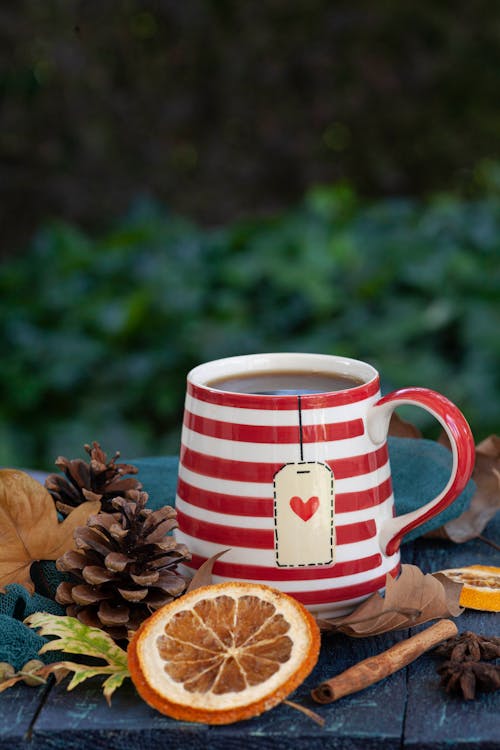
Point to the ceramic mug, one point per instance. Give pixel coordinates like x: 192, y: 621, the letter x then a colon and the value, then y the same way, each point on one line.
x: 298, y: 487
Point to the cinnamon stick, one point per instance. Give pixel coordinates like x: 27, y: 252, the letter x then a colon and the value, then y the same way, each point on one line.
x: 375, y: 668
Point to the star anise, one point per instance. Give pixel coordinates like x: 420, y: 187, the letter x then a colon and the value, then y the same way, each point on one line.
x: 469, y: 646
x: 469, y: 677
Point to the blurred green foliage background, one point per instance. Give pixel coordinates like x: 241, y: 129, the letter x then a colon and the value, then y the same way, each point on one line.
x: 98, y: 333
x: 338, y: 165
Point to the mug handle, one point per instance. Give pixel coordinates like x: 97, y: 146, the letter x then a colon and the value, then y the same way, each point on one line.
x: 462, y: 446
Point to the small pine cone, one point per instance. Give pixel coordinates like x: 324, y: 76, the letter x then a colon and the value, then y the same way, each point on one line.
x: 125, y: 566
x: 99, y: 479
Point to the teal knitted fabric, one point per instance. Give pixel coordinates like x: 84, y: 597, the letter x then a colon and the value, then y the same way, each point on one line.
x: 18, y: 643
x: 420, y: 469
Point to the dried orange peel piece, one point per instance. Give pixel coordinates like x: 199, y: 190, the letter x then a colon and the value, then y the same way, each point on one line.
x: 481, y: 586
x: 224, y: 652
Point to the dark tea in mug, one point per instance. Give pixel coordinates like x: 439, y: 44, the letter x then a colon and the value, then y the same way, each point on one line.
x: 284, y: 383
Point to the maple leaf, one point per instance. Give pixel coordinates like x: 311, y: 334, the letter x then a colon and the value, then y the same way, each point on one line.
x: 29, y: 528
x: 73, y: 637
x: 411, y: 599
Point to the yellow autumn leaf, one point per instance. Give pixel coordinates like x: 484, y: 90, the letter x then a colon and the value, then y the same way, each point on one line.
x: 29, y: 528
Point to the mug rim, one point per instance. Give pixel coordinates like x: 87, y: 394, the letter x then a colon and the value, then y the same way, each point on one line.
x: 261, y: 362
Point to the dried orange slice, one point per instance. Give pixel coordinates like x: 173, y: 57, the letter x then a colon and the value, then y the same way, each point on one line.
x: 481, y: 586
x: 224, y: 652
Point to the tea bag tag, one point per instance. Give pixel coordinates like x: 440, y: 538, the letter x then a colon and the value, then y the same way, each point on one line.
x: 304, y: 528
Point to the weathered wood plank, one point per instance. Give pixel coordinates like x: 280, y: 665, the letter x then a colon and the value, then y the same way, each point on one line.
x: 82, y: 719
x: 435, y: 719
x: 18, y: 707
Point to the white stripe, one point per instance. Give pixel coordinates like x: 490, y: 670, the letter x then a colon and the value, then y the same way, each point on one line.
x: 275, y: 452
x: 318, y: 584
x: 264, y: 489
x: 345, y: 413
x: 279, y: 417
x: 290, y: 587
x: 378, y: 513
x: 265, y: 557
x: 226, y: 519
x: 335, y: 609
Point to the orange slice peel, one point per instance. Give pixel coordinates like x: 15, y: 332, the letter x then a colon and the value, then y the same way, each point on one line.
x: 223, y: 653
x: 481, y: 586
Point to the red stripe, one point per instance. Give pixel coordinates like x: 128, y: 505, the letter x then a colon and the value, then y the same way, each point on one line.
x: 345, y: 593
x: 261, y: 573
x: 263, y: 506
x: 349, y: 501
x: 310, y: 401
x: 220, y: 503
x: 248, y: 433
x: 318, y: 433
x: 262, y: 538
x: 248, y: 471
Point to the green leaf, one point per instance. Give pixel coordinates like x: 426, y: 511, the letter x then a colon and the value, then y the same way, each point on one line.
x: 113, y: 682
x: 76, y: 638
x: 73, y: 637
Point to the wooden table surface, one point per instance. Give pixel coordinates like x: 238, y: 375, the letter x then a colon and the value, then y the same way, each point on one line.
x: 406, y: 710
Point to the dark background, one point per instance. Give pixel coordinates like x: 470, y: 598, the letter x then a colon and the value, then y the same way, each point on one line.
x: 223, y: 109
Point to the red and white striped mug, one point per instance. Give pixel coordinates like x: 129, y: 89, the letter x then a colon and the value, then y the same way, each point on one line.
x: 297, y: 486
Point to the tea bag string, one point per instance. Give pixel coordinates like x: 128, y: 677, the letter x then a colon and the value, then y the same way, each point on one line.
x: 300, y: 427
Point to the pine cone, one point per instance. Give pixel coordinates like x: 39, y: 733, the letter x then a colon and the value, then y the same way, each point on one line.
x: 125, y: 566
x: 99, y: 479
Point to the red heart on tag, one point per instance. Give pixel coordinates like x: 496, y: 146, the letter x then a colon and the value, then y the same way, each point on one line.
x: 304, y: 509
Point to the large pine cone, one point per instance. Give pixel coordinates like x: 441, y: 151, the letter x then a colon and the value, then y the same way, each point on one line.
x: 125, y: 565
x: 99, y: 479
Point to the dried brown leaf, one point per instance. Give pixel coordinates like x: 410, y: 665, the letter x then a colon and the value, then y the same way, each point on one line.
x: 29, y: 528
x: 486, y: 500
x: 411, y: 599
x: 203, y: 576
x: 444, y: 440
x: 5, y: 684
x: 58, y: 669
x: 401, y: 428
